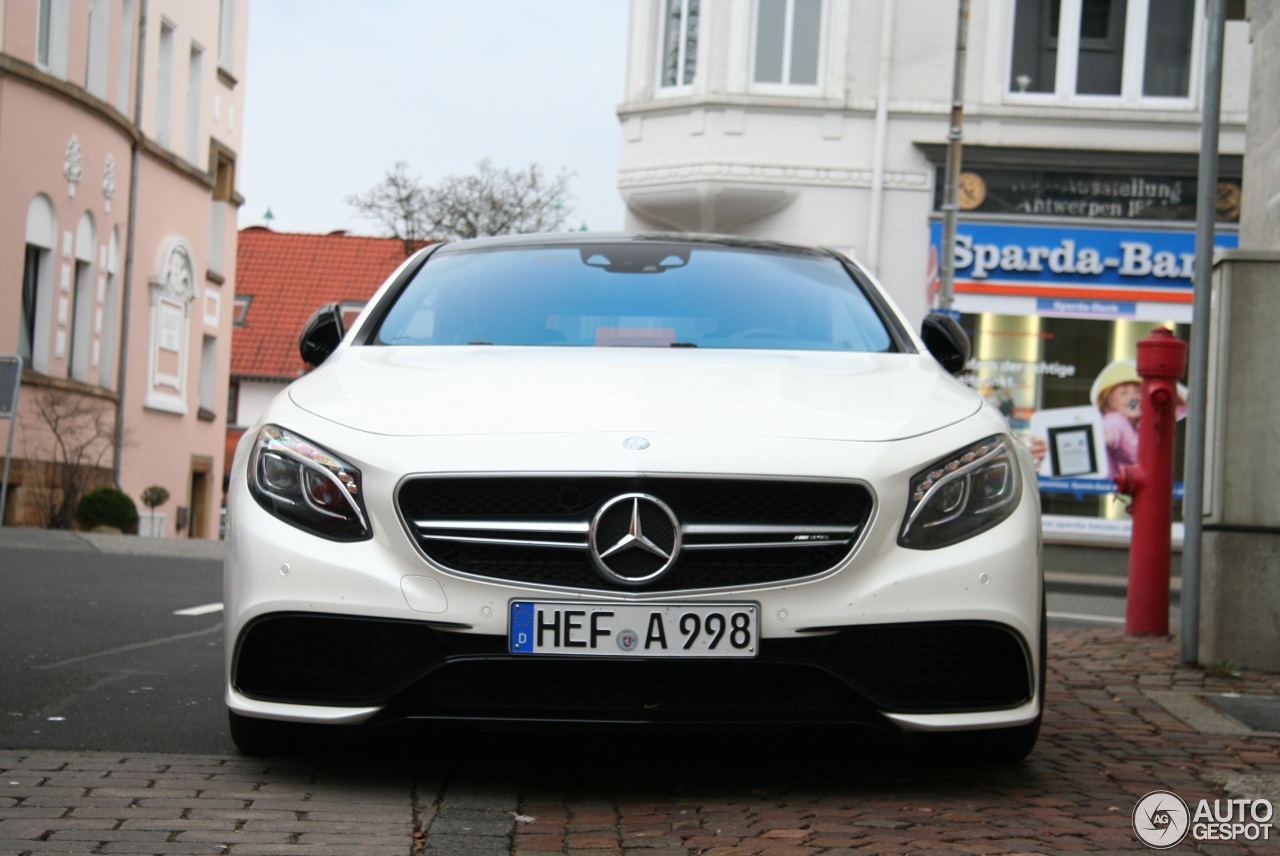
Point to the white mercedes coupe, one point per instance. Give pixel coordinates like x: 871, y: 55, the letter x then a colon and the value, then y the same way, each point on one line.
x: 639, y: 480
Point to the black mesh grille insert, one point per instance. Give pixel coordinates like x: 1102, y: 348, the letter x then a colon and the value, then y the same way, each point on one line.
x: 565, y: 502
x: 419, y: 670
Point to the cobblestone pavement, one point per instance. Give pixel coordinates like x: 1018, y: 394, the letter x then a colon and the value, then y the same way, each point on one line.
x: 1123, y: 719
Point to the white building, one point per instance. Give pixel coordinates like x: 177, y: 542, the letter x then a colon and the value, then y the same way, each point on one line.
x: 826, y: 122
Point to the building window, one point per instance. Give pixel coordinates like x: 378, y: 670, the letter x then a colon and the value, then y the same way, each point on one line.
x: 164, y: 85
x: 82, y: 300
x: 124, y: 70
x: 195, y: 96
x: 32, y: 263
x: 241, y: 309
x: 111, y: 314
x: 37, y: 284
x: 208, y: 372
x: 788, y: 42
x: 679, y: 43
x: 53, y: 36
x: 227, y: 35
x: 233, y: 403
x: 95, y: 78
x: 1126, y: 49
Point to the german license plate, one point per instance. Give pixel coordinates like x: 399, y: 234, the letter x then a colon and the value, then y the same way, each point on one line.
x: 635, y: 630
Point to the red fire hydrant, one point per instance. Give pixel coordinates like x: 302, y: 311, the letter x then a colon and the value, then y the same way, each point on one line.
x: 1162, y: 358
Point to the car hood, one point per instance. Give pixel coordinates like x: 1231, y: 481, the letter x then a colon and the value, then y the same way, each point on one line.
x: 479, y: 390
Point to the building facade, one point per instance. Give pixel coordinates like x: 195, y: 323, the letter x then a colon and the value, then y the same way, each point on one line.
x: 120, y: 124
x: 826, y: 122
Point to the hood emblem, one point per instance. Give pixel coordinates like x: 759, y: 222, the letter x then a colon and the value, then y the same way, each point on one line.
x: 634, y: 539
x: 635, y: 444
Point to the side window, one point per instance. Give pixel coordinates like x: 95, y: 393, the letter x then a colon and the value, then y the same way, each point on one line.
x: 679, y: 43
x: 37, y: 284
x: 1124, y: 50
x: 788, y: 42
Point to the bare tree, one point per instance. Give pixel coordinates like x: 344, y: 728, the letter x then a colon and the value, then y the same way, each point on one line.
x: 398, y: 203
x: 493, y: 201
x: 76, y: 433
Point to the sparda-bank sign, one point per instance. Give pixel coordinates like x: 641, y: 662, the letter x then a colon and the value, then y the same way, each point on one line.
x: 1056, y: 256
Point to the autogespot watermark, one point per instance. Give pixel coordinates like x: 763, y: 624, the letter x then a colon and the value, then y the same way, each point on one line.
x: 1162, y: 819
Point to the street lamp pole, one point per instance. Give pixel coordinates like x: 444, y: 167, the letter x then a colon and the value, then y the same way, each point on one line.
x: 950, y: 205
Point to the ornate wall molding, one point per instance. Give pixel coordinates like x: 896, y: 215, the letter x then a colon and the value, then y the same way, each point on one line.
x: 783, y: 174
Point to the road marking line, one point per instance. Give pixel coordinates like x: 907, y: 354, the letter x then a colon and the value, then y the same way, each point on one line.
x: 204, y: 609
x: 1076, y: 616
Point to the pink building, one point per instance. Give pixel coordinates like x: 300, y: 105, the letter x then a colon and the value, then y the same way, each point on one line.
x: 120, y: 125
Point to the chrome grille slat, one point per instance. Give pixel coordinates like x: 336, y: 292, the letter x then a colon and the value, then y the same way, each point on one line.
x: 735, y: 531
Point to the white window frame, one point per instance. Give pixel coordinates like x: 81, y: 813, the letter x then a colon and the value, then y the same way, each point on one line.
x: 786, y: 87
x: 679, y: 88
x: 1133, y: 68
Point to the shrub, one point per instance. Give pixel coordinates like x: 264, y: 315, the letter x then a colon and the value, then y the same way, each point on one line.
x: 107, y: 506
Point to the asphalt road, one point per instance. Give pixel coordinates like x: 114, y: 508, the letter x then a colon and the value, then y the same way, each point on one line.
x: 93, y: 656
x: 95, y: 653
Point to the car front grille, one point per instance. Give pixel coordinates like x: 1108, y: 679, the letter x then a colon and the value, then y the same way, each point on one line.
x: 535, y: 529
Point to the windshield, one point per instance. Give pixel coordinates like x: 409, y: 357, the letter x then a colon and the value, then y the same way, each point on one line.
x: 640, y: 294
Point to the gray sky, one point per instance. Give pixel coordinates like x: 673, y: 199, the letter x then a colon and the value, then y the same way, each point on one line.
x: 337, y: 91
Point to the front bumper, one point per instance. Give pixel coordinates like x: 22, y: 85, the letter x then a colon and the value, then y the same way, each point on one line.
x: 372, y: 631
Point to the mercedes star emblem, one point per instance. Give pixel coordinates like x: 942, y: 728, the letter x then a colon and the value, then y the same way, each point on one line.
x: 634, y: 539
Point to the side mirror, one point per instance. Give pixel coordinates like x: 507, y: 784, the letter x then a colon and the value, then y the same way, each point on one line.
x: 321, y: 334
x: 946, y: 340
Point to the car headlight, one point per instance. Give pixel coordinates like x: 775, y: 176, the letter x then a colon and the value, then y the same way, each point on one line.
x: 307, y: 486
x: 962, y: 495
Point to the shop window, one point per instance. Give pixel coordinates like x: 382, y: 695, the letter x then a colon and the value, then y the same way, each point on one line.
x: 1059, y: 371
x: 788, y: 42
x: 679, y: 43
x: 1119, y: 49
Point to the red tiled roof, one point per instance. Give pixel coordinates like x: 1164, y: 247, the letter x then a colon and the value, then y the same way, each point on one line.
x: 288, y: 276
